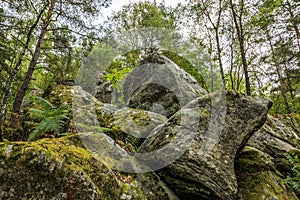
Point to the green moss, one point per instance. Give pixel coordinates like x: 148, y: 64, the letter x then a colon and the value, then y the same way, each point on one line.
x: 258, y: 179
x: 187, y: 66
x: 59, y: 94
x: 131, y: 60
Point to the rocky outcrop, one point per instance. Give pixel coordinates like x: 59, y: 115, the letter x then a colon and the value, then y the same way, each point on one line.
x: 200, y: 149
x: 89, y: 114
x: 197, y: 145
x: 63, y: 169
x: 258, y: 178
x: 162, y: 88
x: 263, y: 165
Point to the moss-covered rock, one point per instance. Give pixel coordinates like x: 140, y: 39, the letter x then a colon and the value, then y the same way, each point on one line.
x: 279, y: 136
x: 63, y: 169
x: 263, y: 165
x: 166, y: 85
x: 197, y: 145
x: 258, y: 178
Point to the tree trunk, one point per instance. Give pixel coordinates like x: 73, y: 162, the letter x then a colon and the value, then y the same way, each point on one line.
x: 290, y: 10
x: 216, y: 26
x: 22, y: 91
x: 13, y: 75
x: 283, y: 90
x: 289, y: 84
x: 220, y: 58
x: 240, y: 35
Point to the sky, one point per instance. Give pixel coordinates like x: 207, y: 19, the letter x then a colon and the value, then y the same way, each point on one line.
x: 117, y: 4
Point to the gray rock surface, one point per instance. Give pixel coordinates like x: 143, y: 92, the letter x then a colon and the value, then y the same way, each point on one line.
x: 161, y: 88
x: 205, y: 136
x: 263, y: 165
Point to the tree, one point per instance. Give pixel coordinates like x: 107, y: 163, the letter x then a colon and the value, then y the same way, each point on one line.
x: 204, y: 8
x: 42, y: 17
x: 238, y: 22
x: 264, y: 20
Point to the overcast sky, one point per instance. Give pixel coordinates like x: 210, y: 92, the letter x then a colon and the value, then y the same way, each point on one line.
x: 117, y: 4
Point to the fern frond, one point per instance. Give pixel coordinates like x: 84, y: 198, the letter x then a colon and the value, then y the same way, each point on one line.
x: 45, y: 104
x: 50, y: 120
x: 36, y: 113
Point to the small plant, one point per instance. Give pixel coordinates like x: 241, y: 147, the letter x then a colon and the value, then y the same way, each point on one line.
x: 294, y: 181
x: 46, y: 118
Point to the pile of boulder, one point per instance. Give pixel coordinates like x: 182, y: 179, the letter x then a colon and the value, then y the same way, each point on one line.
x: 166, y: 138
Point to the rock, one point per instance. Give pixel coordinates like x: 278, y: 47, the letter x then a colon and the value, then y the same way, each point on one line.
x: 258, y: 178
x: 104, y: 89
x: 63, y: 169
x: 263, y: 165
x: 279, y: 136
x: 136, y: 122
x: 194, y: 150
x: 89, y: 114
x: 161, y: 88
x: 128, y: 125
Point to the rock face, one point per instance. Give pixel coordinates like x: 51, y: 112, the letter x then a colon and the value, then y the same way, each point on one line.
x: 205, y: 136
x: 262, y: 166
x: 104, y: 89
x: 258, y: 178
x: 63, y: 169
x: 162, y: 88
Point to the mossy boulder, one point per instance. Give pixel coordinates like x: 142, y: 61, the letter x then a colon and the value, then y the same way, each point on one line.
x: 63, y: 169
x: 263, y: 165
x: 160, y: 87
x: 279, y: 136
x: 258, y: 178
x: 198, y: 144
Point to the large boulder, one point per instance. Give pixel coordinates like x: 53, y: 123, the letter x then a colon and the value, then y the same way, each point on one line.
x: 89, y: 114
x: 160, y: 87
x: 279, y: 136
x: 63, y: 169
x: 258, y: 178
x: 263, y: 165
x: 195, y: 149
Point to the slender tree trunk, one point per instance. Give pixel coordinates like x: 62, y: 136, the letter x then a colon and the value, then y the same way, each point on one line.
x: 13, y: 75
x: 239, y: 30
x: 220, y: 58
x: 283, y: 90
x: 216, y: 26
x: 24, y: 87
x: 231, y: 60
x: 289, y: 84
x: 290, y: 10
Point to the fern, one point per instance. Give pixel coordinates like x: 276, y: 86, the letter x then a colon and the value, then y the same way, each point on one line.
x: 46, y: 118
x: 294, y: 181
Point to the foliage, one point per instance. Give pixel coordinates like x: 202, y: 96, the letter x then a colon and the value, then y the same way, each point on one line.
x: 294, y: 181
x: 46, y: 118
x: 116, y: 76
x: 187, y: 66
x: 145, y: 14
